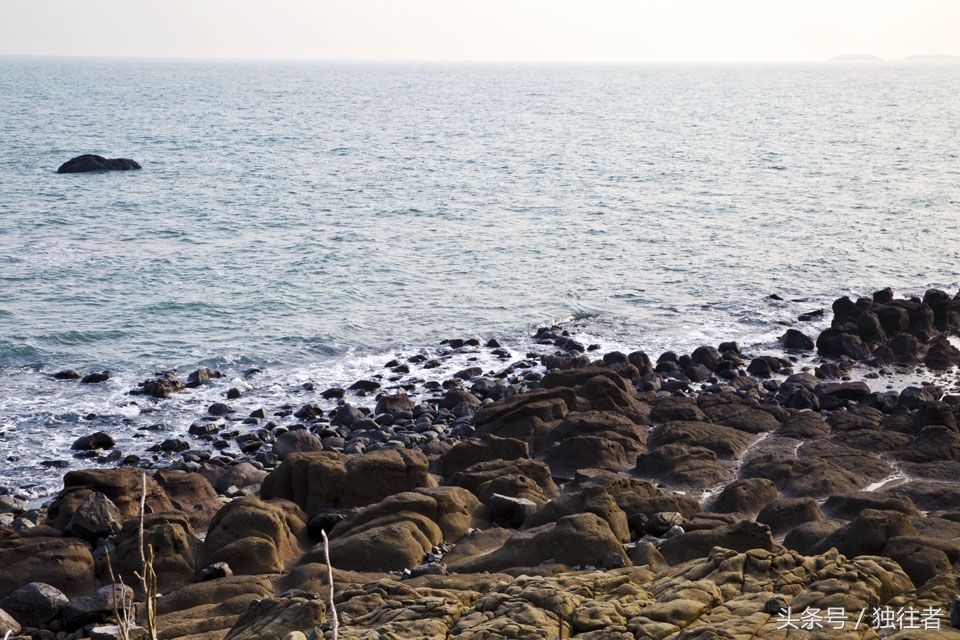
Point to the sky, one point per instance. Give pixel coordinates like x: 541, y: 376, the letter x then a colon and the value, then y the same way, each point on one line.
x: 488, y: 30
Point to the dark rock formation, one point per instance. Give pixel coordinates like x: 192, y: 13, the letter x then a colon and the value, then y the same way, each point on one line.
x: 88, y: 163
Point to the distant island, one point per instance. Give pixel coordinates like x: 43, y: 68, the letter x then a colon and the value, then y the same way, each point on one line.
x: 856, y: 57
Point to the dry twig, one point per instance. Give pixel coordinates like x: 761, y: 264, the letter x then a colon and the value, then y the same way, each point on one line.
x: 333, y: 609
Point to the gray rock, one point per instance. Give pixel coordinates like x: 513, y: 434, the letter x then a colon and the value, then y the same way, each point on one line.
x: 96, y: 517
x: 10, y: 504
x: 97, y: 608
x: 35, y: 604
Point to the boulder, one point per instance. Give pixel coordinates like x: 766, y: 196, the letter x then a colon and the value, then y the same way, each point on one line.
x: 277, y: 618
x: 96, y: 517
x: 473, y: 450
x: 297, y: 440
x: 201, y: 376
x: 740, y: 536
x: 601, y: 424
x: 174, y: 544
x: 63, y: 563
x: 786, y: 514
x: 581, y: 539
x: 254, y: 537
x: 676, y: 408
x: 394, y: 403
x: 849, y: 505
x: 163, y: 386
x: 240, y: 475
x: 586, y: 452
x: 684, y: 466
x: 796, y: 341
x: 190, y: 494
x: 315, y: 480
x: 747, y: 496
x: 35, y: 604
x: 97, y: 608
x: 476, y: 476
x: 795, y: 477
x: 89, y: 163
x: 122, y: 485
x: 727, y: 443
x: 594, y: 500
x: 867, y: 533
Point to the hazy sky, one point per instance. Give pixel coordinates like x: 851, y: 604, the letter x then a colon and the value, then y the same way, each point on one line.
x: 563, y: 30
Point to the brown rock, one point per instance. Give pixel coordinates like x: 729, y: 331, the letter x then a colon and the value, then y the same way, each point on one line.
x: 469, y: 452
x: 297, y: 440
x: 328, y: 479
x: 582, y: 539
x: 254, y: 537
x: 191, y: 494
x: 64, y: 563
x: 174, y: 544
x: 684, y: 466
x: 121, y: 485
x: 747, y: 496
x: 786, y: 514
x: 588, y: 500
x: 741, y: 536
x: 274, y: 618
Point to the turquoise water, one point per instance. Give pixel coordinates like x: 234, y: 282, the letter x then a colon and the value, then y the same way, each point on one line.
x: 315, y: 219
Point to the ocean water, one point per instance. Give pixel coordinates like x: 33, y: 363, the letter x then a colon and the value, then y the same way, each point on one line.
x: 316, y: 220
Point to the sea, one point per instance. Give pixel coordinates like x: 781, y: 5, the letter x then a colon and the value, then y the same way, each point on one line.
x: 315, y: 220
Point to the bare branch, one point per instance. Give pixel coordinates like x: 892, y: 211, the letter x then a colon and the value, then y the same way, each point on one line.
x: 333, y: 609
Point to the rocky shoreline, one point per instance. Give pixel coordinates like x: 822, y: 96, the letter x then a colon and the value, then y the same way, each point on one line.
x: 571, y: 493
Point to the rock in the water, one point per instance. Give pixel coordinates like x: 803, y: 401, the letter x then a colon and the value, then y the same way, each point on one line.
x: 163, y: 386
x: 94, y: 378
x: 98, y: 440
x: 88, y: 163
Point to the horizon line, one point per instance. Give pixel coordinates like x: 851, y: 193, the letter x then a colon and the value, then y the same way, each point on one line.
x: 841, y: 58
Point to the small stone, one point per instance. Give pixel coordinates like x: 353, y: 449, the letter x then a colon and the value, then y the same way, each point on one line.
x: 775, y: 605
x: 215, y: 570
x: 233, y: 393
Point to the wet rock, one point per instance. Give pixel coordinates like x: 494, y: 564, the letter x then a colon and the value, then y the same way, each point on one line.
x: 163, y: 386
x: 333, y: 393
x: 834, y: 343
x: 88, y: 163
x: 365, y: 386
x: 802, y: 478
x: 67, y: 374
x: 35, y: 604
x: 804, y: 425
x: 95, y: 378
x: 220, y: 409
x: 202, y: 375
x: 726, y: 442
x: 92, y: 442
x: 796, y: 340
x: 942, y: 355
x: 96, y: 517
